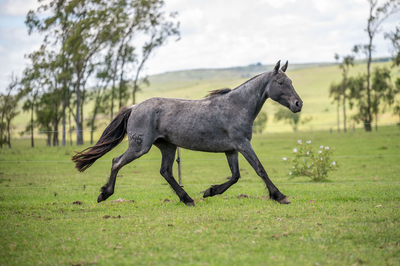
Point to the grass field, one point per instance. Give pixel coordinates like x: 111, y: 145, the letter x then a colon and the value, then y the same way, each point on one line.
x: 352, y: 219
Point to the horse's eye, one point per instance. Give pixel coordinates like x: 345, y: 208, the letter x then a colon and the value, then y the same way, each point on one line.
x: 280, y: 82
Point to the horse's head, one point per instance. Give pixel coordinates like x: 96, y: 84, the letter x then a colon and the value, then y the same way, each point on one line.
x: 280, y: 89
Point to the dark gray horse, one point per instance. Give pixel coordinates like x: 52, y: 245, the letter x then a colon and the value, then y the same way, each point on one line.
x: 221, y: 122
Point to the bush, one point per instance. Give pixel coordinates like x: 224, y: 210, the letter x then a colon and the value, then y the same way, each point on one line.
x: 306, y: 163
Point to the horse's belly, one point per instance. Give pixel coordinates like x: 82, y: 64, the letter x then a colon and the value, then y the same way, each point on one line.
x: 201, y: 141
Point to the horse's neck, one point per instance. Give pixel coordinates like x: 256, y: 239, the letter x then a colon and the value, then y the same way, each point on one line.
x: 254, y: 94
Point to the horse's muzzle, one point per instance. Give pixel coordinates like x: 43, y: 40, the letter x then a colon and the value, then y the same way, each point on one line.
x: 296, y: 106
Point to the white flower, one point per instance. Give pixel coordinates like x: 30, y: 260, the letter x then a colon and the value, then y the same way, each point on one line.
x: 319, y: 152
x: 308, y: 166
x: 295, y: 150
x: 321, y: 158
x: 290, y: 173
x: 312, y: 162
x: 308, y: 141
x: 308, y: 153
x: 304, y: 160
x: 299, y: 141
x: 321, y: 147
x: 294, y: 166
x: 284, y: 158
x: 326, y: 148
x: 333, y: 163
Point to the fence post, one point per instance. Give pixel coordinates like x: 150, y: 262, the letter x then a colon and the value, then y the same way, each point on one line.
x: 178, y: 160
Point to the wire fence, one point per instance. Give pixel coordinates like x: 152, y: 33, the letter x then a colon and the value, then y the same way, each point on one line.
x: 196, y: 159
x: 330, y: 125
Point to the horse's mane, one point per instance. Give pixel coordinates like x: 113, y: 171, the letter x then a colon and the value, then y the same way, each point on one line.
x: 217, y: 92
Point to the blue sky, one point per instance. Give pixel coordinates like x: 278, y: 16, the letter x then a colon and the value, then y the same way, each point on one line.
x: 216, y: 34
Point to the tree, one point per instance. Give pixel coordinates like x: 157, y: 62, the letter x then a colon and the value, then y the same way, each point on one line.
x: 260, y: 122
x: 100, y: 94
x: 394, y: 37
x: 382, y: 89
x: 56, y: 27
x: 44, y: 115
x: 292, y: 118
x: 8, y: 108
x: 339, y: 92
x: 377, y: 15
x: 32, y: 84
x: 335, y: 91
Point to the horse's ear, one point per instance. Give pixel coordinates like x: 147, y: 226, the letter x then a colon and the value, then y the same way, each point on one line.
x: 276, y: 68
x: 284, y: 67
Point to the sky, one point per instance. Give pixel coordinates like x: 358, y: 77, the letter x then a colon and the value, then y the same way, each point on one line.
x: 221, y: 33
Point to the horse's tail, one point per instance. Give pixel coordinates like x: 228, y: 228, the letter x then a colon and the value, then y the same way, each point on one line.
x: 111, y: 137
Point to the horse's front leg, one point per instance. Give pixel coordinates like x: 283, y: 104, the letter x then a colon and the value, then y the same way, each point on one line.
x: 246, y: 149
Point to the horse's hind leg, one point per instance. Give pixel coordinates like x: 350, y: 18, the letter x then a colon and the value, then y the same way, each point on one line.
x: 168, y: 156
x: 117, y: 163
x: 234, y: 166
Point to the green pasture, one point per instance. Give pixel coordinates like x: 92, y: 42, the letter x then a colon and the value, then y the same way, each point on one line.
x: 352, y: 219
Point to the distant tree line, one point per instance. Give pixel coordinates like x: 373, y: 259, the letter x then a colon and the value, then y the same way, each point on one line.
x: 86, y: 42
x: 371, y: 92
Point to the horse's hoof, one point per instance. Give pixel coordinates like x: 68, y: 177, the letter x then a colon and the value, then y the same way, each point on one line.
x: 100, y: 198
x: 190, y: 204
x: 207, y: 193
x: 285, y: 200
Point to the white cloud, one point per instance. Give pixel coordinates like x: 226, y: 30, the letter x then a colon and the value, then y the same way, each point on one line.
x: 17, y: 7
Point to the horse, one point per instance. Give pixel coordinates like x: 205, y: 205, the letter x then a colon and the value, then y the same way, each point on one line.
x: 220, y: 123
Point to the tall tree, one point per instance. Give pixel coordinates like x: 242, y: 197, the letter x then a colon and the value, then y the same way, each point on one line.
x: 32, y: 85
x: 335, y: 91
x: 56, y: 27
x: 8, y: 108
x: 159, y: 29
x: 344, y: 66
x: 377, y: 15
x: 383, y: 91
x: 292, y: 118
x: 99, y: 95
x: 394, y: 37
x: 260, y: 122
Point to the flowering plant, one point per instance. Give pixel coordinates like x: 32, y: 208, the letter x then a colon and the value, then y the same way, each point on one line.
x: 306, y: 163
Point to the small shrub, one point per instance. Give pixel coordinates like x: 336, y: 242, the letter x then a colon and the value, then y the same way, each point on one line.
x: 307, y: 163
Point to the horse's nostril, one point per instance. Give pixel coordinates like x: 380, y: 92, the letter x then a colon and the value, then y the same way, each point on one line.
x: 297, y: 103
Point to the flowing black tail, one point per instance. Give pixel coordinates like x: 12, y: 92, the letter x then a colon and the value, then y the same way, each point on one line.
x: 111, y: 137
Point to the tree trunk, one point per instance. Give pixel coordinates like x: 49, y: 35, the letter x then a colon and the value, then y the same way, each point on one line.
x: 344, y: 105
x: 55, y: 135
x: 367, y: 126
x: 91, y: 136
x: 79, y: 135
x: 8, y: 134
x: 338, y: 117
x: 64, y: 106
x: 48, y: 139
x: 32, y: 139
x: 70, y: 129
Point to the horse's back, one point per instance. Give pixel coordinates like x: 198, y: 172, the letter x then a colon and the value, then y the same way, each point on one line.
x: 192, y: 124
